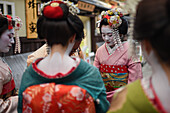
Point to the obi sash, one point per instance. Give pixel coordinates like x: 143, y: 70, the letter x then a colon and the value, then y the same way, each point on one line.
x: 8, y: 89
x: 114, y: 76
x: 53, y: 98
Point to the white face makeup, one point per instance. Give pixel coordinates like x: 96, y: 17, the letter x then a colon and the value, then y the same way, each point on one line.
x: 107, y: 34
x: 6, y: 40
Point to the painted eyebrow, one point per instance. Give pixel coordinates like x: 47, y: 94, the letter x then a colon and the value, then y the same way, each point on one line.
x: 12, y: 33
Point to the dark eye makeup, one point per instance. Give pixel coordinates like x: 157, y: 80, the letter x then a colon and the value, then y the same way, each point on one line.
x: 11, y: 35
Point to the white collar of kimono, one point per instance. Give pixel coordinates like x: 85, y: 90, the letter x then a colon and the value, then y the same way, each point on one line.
x: 160, y: 81
x: 58, y: 64
x: 112, y: 50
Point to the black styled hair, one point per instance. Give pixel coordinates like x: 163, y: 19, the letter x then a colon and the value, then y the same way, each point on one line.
x: 153, y: 24
x: 39, y: 26
x: 123, y: 28
x: 45, y: 1
x: 4, y: 24
x: 77, y: 25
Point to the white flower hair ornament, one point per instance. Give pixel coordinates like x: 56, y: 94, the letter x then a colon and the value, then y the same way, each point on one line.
x: 113, y: 17
x: 72, y: 7
x: 18, y: 25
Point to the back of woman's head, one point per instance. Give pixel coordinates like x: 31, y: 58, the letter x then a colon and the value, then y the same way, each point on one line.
x: 58, y: 24
x: 153, y: 24
x: 4, y: 23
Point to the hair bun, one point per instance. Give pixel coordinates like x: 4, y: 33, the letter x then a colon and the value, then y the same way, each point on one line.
x: 55, y: 10
x: 75, y: 22
x: 45, y: 1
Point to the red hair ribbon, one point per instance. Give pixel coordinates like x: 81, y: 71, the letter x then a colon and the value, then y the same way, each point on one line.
x: 53, y: 11
x: 9, y: 22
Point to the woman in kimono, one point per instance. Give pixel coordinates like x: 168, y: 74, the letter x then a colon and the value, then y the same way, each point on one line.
x: 112, y: 59
x: 8, y: 100
x: 151, y: 94
x: 60, y: 83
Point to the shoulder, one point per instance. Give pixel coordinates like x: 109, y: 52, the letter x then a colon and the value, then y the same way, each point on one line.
x: 27, y: 73
x: 101, y: 48
x: 87, y: 67
x: 30, y: 72
x: 41, y: 52
x: 125, y: 46
x: 5, y: 74
x: 88, y: 71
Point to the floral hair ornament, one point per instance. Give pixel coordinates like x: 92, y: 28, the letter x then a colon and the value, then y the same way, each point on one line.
x: 113, y: 17
x: 18, y: 25
x: 72, y: 7
x: 9, y: 18
x: 114, y: 20
x: 55, y: 9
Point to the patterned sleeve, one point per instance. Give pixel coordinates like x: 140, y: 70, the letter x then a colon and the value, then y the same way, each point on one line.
x: 134, y: 69
x: 9, y: 105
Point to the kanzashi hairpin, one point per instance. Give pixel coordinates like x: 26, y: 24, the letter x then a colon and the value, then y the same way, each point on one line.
x: 18, y: 25
x: 72, y: 7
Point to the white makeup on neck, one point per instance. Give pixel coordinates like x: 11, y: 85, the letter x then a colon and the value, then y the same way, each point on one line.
x: 107, y: 35
x: 58, y: 63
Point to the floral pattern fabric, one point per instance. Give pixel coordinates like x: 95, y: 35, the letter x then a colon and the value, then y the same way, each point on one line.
x: 52, y: 98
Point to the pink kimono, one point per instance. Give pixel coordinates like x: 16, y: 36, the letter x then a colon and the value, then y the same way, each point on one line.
x: 116, y: 68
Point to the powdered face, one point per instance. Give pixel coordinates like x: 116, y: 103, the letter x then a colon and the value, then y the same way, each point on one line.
x: 107, y: 34
x: 6, y: 40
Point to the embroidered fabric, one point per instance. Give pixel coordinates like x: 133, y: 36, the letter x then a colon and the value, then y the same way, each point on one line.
x: 69, y: 99
x: 114, y: 76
